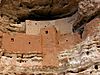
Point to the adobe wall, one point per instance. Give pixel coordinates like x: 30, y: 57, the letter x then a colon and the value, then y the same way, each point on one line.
x: 46, y: 43
x: 21, y: 43
x: 49, y: 36
x: 33, y: 27
x: 64, y: 25
x: 49, y: 45
x: 68, y: 41
x: 49, y: 42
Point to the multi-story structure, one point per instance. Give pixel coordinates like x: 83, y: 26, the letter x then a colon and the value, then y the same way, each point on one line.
x: 36, y: 50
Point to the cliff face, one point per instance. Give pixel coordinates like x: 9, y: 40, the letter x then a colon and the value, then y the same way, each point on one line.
x: 81, y: 59
x: 37, y: 9
x: 21, y: 10
x: 16, y: 11
x: 87, y: 10
x: 84, y: 58
x: 74, y: 58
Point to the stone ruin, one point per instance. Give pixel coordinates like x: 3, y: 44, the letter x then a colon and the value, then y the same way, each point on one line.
x: 49, y: 37
x: 80, y: 57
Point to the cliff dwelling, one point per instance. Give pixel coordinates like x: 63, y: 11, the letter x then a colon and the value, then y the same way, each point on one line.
x: 49, y: 37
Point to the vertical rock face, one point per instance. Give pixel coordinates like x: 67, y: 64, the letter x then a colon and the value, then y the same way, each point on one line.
x: 58, y: 54
x: 89, y: 29
x: 37, y: 9
x: 84, y: 57
x: 87, y: 9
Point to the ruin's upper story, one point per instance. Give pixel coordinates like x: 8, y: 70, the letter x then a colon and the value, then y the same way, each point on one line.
x: 20, y: 10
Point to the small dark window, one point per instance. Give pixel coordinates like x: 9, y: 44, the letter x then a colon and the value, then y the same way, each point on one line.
x: 56, y: 31
x: 46, y: 32
x: 1, y: 15
x: 22, y: 56
x: 90, y: 72
x: 63, y: 73
x: 35, y: 23
x: 58, y: 42
x: 15, y: 73
x: 66, y: 40
x: 12, y: 39
x: 96, y: 66
x: 29, y: 42
x: 9, y: 56
x: 87, y: 52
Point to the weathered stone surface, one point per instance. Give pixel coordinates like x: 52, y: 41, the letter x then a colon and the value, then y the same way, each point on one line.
x: 37, y: 9
x: 90, y: 28
x: 20, y: 10
x: 87, y: 9
x: 74, y: 58
x: 84, y: 57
